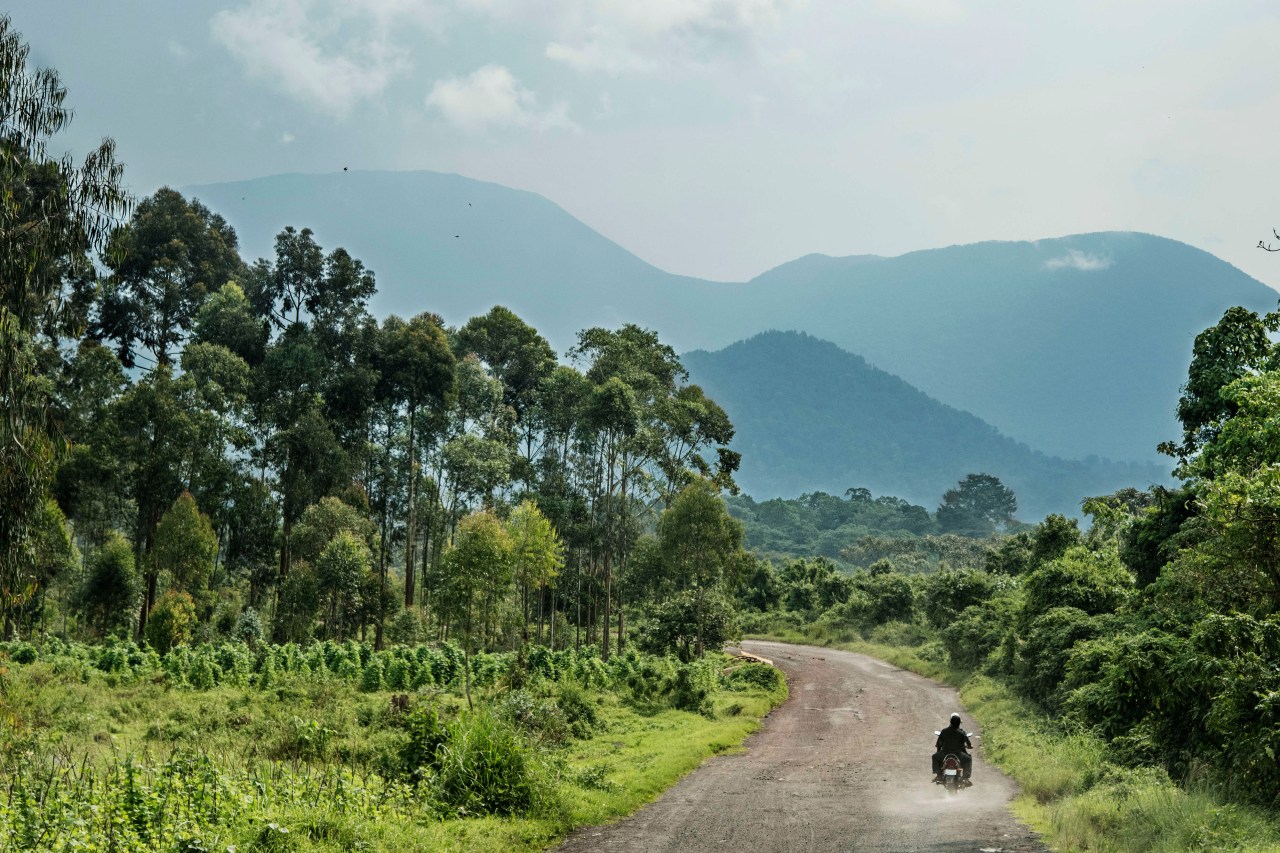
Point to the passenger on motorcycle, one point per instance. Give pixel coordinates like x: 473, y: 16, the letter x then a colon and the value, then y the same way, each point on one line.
x: 953, y: 740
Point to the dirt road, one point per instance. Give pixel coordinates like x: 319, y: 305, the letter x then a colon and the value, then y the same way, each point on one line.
x: 842, y: 766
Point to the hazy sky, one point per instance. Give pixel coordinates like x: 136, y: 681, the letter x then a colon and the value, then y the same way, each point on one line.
x: 716, y: 138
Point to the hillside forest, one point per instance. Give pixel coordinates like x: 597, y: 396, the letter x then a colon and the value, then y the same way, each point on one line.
x: 280, y: 575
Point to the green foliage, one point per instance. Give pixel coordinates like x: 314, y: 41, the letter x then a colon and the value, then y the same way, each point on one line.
x: 823, y: 525
x: 947, y: 594
x: 1091, y: 581
x: 977, y: 506
x: 1152, y: 539
x: 171, y: 621
x: 976, y: 632
x: 752, y: 675
x: 1233, y: 348
x: 111, y: 585
x: 1046, y: 647
x: 686, y: 624
x: 186, y: 545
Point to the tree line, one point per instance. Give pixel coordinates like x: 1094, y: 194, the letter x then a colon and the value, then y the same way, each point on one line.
x: 189, y: 437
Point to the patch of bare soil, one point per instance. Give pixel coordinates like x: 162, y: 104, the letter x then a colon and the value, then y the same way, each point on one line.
x: 842, y: 766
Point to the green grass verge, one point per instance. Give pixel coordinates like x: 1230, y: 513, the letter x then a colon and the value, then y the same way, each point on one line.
x: 302, y: 765
x: 1069, y: 792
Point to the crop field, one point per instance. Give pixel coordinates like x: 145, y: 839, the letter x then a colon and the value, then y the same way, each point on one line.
x: 337, y: 747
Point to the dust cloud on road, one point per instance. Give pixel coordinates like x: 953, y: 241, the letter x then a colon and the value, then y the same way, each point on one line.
x: 842, y: 766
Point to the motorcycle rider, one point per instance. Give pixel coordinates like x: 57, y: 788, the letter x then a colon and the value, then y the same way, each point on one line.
x: 952, y: 740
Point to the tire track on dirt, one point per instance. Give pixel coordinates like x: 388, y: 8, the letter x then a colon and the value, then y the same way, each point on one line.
x: 842, y: 766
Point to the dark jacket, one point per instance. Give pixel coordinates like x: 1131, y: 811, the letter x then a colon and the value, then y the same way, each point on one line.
x: 953, y: 739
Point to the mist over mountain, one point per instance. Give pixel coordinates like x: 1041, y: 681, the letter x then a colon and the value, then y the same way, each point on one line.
x: 812, y: 417
x: 1076, y: 345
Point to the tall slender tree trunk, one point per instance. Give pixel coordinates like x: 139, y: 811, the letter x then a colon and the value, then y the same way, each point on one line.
x: 608, y: 601
x: 382, y: 544
x: 409, y: 572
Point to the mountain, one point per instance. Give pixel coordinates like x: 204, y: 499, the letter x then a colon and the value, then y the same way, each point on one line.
x: 458, y: 247
x: 812, y: 417
x: 1076, y: 345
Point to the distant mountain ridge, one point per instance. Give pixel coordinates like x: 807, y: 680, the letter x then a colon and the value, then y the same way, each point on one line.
x: 811, y: 417
x: 1075, y: 345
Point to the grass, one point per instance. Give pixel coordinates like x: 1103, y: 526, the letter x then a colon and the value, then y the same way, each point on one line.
x: 1069, y: 792
x: 311, y: 764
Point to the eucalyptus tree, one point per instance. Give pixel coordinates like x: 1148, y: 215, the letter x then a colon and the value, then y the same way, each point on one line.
x: 700, y: 544
x: 162, y: 265
x: 519, y: 358
x: 476, y: 572
x: 53, y: 213
x: 417, y: 371
x: 186, y: 546
x: 537, y: 554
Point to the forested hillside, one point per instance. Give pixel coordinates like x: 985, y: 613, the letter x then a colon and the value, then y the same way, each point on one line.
x: 811, y: 417
x: 1075, y: 346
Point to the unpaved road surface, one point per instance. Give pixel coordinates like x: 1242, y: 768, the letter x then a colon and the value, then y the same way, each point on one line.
x: 842, y: 766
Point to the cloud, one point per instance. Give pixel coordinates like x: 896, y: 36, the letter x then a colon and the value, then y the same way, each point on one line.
x: 616, y: 37
x: 492, y: 97
x: 925, y: 11
x: 1078, y: 260
x: 327, y: 54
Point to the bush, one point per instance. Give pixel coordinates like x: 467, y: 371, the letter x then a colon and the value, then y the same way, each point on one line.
x: 691, y: 687
x: 754, y: 676
x: 1041, y: 662
x: 973, y: 635
x: 579, y: 711
x: 405, y: 629
x: 427, y: 733
x: 483, y: 767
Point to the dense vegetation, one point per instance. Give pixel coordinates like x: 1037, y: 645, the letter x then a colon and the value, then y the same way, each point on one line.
x: 275, y: 575
x: 1154, y: 636
x: 195, y: 441
x: 261, y: 747
x: 858, y: 529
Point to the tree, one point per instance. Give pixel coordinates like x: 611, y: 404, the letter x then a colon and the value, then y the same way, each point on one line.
x: 417, y: 370
x: 171, y: 621
x: 518, y: 356
x: 227, y: 318
x: 537, y: 555
x: 52, y: 214
x: 977, y: 505
x: 1237, y: 346
x: 476, y: 573
x: 111, y: 586
x: 699, y: 540
x: 339, y: 570
x: 164, y: 262
x: 186, y: 545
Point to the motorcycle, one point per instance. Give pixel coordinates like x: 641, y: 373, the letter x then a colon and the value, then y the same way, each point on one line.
x: 953, y: 778
x: 952, y: 775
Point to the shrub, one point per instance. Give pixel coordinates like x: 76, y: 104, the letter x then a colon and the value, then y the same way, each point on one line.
x: 754, y: 676
x: 484, y: 768
x: 691, y: 688
x: 248, y: 627
x: 405, y: 629
x: 579, y: 711
x: 973, y: 635
x: 371, y: 677
x: 427, y: 733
